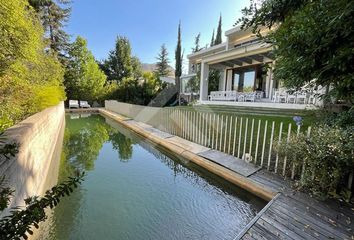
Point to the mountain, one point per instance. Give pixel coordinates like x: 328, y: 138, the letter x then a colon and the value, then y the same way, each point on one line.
x: 150, y: 67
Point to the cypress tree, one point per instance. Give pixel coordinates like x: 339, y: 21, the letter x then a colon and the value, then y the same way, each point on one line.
x: 196, y: 44
x: 178, y: 58
x: 162, y: 64
x: 212, y: 39
x: 218, y: 38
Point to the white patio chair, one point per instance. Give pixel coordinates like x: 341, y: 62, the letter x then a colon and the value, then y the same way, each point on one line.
x: 241, y: 97
x: 312, y: 99
x: 84, y: 104
x: 276, y: 96
x: 259, y: 95
x: 301, y: 98
x: 73, y: 104
x: 291, y: 98
x: 211, y: 96
x: 250, y: 97
x: 283, y: 97
x: 232, y: 95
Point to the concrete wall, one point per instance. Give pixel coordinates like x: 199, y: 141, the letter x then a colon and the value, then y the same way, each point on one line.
x: 139, y: 113
x: 34, y: 169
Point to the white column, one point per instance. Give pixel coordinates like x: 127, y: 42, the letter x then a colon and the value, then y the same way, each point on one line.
x: 268, y: 83
x: 271, y: 90
x: 222, y: 81
x: 204, y: 73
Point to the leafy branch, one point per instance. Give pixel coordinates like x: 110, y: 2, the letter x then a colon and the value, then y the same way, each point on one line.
x: 19, y: 223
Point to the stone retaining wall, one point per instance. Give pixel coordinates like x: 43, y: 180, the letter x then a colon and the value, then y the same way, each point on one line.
x: 137, y: 112
x: 38, y: 138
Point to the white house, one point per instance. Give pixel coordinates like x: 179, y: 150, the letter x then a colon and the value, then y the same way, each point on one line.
x: 245, y: 64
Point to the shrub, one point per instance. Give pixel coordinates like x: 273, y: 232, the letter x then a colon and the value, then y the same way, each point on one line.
x: 30, y: 75
x: 327, y: 157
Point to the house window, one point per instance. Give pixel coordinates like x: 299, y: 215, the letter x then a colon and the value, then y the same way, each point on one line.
x: 248, y: 81
x: 244, y: 79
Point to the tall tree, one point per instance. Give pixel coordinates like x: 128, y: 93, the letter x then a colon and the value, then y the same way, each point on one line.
x: 197, y: 47
x: 314, y: 41
x: 53, y: 17
x: 119, y: 62
x: 218, y: 38
x: 83, y: 78
x: 162, y: 63
x: 214, y: 74
x: 137, y: 70
x: 212, y: 39
x: 178, y: 59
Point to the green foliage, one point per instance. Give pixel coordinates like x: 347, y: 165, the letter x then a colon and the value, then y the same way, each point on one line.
x: 314, y: 40
x: 122, y: 144
x: 194, y: 83
x: 139, y: 91
x: 162, y: 62
x: 20, y: 33
x: 328, y: 157
x: 84, y: 79
x: 196, y: 47
x: 30, y: 77
x: 218, y: 38
x: 343, y: 119
x: 18, y: 224
x: 212, y: 41
x: 178, y: 59
x: 91, y: 137
x: 213, y: 80
x: 5, y: 194
x: 53, y: 16
x: 137, y: 71
x: 109, y: 91
x: 119, y: 62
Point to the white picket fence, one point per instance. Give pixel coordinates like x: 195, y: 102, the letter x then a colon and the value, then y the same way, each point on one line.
x: 246, y: 138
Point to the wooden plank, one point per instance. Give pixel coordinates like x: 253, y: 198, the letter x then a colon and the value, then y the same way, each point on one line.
x: 330, y: 208
x: 296, y: 227
x: 255, y: 219
x: 312, y: 221
x: 334, y: 220
x: 253, y: 234
x: 277, y: 229
x: 264, y: 232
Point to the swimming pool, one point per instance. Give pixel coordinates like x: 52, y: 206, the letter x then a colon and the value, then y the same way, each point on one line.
x: 133, y: 190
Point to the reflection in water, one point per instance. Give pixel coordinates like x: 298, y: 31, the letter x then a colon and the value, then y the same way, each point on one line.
x: 122, y: 144
x: 137, y: 197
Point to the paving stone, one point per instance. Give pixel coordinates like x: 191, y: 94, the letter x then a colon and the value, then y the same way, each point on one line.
x: 237, y: 165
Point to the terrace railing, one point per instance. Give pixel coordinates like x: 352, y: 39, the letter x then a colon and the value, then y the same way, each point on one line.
x: 246, y: 138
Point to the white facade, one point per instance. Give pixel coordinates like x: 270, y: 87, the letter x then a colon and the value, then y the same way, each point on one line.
x: 243, y: 61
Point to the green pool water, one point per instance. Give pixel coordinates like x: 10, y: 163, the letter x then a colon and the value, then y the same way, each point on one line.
x: 132, y: 190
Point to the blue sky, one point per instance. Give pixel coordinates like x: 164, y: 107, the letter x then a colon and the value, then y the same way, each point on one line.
x: 149, y: 23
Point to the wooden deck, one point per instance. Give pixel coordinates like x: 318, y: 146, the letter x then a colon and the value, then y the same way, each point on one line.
x: 295, y: 215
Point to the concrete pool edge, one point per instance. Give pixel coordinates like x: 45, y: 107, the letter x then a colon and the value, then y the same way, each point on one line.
x: 230, y: 176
